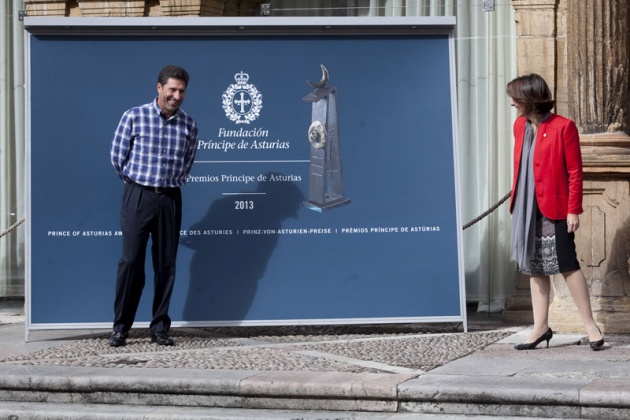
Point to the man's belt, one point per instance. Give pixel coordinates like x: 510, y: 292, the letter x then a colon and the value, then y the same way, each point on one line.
x: 157, y: 190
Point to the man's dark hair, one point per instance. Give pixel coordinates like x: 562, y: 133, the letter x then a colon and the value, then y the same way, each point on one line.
x: 532, y: 92
x: 173, y: 72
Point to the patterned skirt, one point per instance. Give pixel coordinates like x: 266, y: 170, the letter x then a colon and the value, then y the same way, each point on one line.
x: 554, y: 250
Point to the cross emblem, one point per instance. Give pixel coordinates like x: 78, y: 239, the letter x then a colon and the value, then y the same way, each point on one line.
x: 242, y: 102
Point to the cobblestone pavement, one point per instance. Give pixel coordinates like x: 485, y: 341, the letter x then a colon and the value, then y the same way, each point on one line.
x: 405, y: 348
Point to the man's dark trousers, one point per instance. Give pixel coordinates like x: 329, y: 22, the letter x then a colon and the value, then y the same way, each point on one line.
x: 145, y: 214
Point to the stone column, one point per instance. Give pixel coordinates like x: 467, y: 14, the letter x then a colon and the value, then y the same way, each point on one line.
x: 598, y: 65
x: 598, y: 51
x: 540, y: 40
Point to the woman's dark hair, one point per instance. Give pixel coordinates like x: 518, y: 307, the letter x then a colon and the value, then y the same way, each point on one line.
x: 173, y: 72
x: 532, y: 92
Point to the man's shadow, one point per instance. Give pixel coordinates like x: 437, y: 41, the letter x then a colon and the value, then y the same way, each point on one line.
x: 227, y: 265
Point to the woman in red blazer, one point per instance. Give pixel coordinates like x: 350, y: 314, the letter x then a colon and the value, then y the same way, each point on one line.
x: 545, y: 204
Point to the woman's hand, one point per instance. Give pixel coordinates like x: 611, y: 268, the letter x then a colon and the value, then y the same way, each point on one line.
x: 573, y: 222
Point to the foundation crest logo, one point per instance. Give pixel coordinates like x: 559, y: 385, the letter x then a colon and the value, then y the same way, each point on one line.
x: 242, y: 102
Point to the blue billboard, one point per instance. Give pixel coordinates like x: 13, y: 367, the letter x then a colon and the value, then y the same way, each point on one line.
x: 324, y: 189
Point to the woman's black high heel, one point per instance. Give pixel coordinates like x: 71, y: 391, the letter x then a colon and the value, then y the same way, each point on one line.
x: 545, y: 337
x: 597, y: 345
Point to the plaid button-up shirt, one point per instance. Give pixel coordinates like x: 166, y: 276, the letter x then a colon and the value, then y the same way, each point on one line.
x: 152, y: 150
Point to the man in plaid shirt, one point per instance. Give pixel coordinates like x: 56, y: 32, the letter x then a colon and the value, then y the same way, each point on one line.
x: 152, y: 152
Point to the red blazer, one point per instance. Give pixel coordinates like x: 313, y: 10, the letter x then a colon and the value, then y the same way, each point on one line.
x: 557, y: 166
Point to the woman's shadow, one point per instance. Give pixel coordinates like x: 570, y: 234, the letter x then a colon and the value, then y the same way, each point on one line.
x: 231, y: 254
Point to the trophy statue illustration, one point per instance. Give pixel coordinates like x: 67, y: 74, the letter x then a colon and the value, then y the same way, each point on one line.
x: 325, y: 177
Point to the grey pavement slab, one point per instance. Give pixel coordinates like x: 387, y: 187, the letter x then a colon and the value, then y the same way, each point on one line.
x: 557, y: 340
x: 331, y: 384
x: 583, y: 369
x: 477, y: 367
x: 505, y: 366
x: 82, y: 379
x: 492, y: 390
x: 614, y: 393
x: 323, y: 390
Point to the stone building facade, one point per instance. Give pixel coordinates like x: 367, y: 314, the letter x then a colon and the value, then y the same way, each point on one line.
x: 582, y: 49
x: 140, y: 8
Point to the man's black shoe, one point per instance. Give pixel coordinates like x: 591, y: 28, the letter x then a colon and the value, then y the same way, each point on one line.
x: 118, y: 339
x: 162, y: 339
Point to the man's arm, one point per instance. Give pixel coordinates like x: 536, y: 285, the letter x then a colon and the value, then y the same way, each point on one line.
x: 192, y: 149
x: 121, y: 145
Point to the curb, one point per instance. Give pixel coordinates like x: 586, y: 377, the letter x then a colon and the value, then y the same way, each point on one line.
x: 375, y: 392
